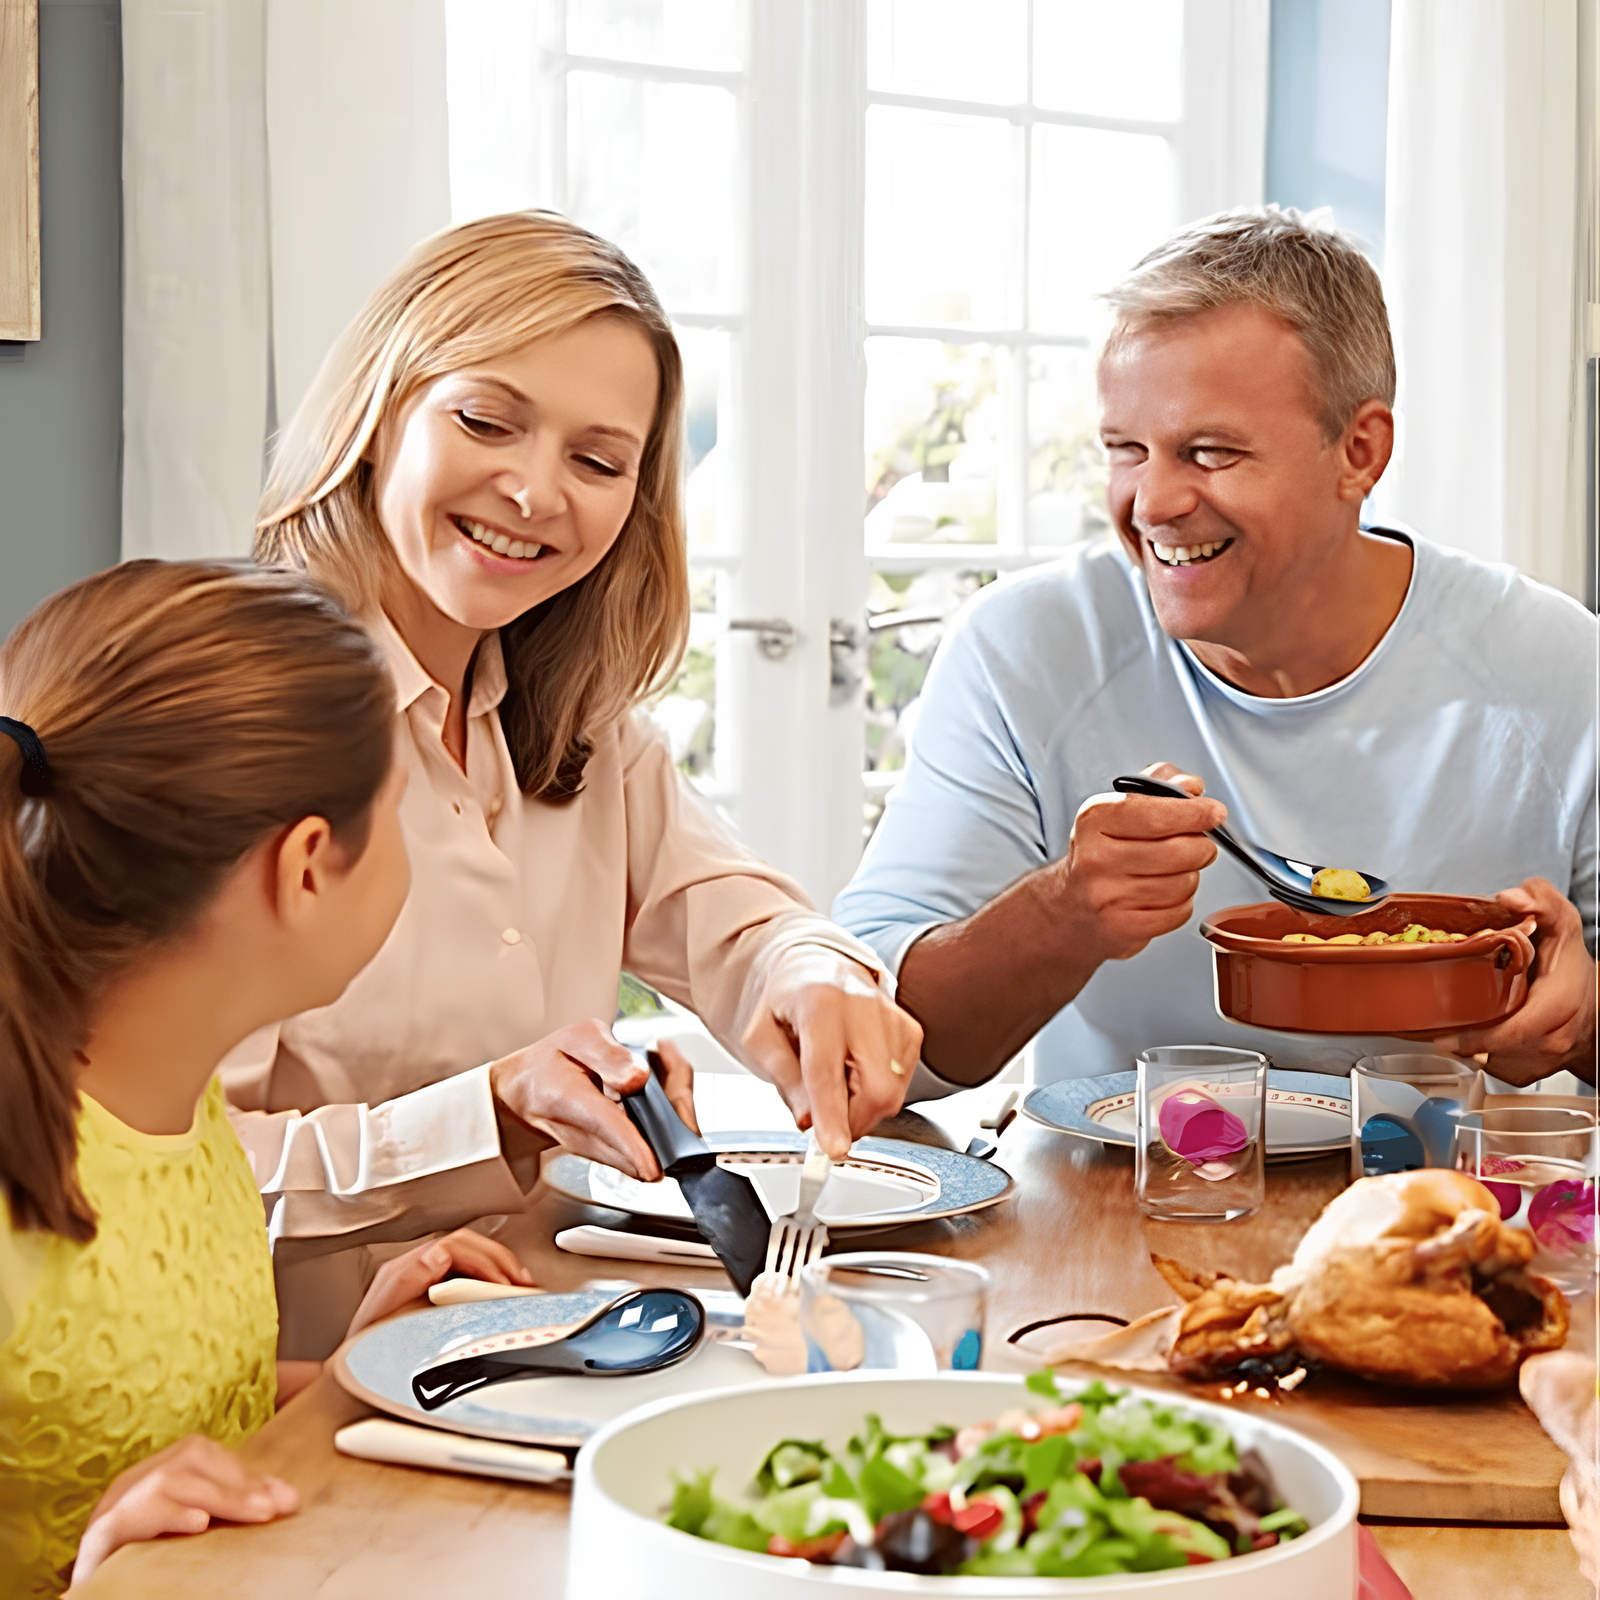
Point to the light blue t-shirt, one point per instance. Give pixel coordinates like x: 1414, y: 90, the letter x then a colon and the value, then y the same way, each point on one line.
x: 1459, y: 757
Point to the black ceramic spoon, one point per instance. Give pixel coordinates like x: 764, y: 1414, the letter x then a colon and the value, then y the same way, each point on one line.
x: 643, y: 1331
x: 1286, y: 880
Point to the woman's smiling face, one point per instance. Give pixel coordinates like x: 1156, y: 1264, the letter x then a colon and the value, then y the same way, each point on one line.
x: 502, y: 484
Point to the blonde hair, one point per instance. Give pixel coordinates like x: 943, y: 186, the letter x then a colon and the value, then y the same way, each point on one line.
x: 1299, y: 268
x: 187, y: 712
x: 583, y: 657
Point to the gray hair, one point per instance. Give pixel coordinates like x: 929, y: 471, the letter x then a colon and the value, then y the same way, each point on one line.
x: 1302, y: 269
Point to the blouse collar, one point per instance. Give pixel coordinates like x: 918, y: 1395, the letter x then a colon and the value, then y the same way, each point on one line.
x: 412, y: 680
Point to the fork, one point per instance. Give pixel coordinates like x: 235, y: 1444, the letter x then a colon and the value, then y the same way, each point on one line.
x: 798, y: 1239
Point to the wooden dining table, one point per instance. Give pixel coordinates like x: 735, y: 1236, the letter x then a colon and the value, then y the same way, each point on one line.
x: 1460, y: 1491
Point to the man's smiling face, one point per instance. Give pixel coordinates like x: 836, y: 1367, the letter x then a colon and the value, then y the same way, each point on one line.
x: 1221, y: 484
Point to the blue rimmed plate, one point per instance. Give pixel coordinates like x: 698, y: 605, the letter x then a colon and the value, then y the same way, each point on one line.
x: 1308, y: 1113
x: 561, y: 1412
x: 882, y: 1183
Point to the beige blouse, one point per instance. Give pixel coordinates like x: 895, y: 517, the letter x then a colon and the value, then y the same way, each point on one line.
x: 520, y: 918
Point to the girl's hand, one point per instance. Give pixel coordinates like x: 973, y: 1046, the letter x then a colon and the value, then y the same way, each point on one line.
x: 837, y: 1049
x: 179, y: 1490
x: 402, y: 1280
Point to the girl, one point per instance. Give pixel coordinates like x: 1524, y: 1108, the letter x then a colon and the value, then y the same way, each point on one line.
x: 488, y: 473
x: 198, y: 834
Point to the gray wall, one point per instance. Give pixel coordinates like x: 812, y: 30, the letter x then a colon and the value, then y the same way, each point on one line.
x: 61, y: 397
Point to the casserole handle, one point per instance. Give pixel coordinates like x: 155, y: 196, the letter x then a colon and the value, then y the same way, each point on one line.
x: 1516, y: 947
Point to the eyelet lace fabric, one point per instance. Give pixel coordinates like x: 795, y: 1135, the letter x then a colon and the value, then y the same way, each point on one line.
x: 163, y: 1325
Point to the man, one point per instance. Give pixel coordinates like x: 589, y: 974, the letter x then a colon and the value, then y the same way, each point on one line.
x: 1351, y: 697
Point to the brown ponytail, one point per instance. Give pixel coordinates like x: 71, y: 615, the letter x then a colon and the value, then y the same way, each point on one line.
x: 188, y: 711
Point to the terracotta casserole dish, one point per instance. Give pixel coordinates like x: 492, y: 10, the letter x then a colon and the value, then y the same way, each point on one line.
x: 1380, y: 988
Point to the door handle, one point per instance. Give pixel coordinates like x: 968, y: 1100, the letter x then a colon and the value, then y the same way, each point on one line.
x: 775, y: 636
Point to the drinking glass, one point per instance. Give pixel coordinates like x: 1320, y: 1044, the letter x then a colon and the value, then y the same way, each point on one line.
x: 1540, y: 1165
x: 871, y: 1308
x: 1404, y: 1110
x: 1200, y: 1112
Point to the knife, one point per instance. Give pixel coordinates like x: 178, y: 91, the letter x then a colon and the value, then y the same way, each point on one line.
x: 726, y: 1208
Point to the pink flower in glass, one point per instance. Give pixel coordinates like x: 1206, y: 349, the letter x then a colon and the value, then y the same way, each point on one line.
x: 1561, y: 1216
x: 1198, y: 1129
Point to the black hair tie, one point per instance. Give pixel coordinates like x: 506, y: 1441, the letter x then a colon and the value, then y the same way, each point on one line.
x: 35, y: 764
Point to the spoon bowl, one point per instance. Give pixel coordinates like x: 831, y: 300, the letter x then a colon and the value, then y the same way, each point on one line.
x: 640, y: 1331
x: 1286, y: 880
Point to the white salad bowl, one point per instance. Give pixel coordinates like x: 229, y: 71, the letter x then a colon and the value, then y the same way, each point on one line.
x: 623, y: 1484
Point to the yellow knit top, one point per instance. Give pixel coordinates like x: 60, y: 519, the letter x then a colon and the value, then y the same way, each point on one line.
x: 163, y: 1325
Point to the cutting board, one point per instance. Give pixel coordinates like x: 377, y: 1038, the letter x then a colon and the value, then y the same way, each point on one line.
x: 1073, y: 1243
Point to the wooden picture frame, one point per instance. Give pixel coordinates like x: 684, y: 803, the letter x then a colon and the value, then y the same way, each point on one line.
x: 19, y: 169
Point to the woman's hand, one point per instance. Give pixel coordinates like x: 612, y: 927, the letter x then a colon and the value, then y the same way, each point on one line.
x: 676, y: 1072
x: 179, y: 1490
x: 837, y: 1049
x: 402, y: 1280
x: 567, y: 1087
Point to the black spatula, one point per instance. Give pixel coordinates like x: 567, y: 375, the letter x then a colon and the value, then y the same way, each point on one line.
x: 727, y: 1210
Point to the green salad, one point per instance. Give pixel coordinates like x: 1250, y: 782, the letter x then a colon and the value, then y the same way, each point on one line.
x: 1103, y: 1482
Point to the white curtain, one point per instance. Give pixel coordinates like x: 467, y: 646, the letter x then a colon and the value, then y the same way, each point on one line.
x: 279, y: 157
x: 1482, y: 272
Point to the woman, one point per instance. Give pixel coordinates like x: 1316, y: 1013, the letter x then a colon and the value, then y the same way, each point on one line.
x: 489, y: 472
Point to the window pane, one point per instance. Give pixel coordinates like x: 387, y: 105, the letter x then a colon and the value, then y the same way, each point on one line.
x: 1066, y: 466
x: 900, y: 654
x: 650, y: 166
x: 494, y: 125
x: 687, y: 712
x: 1122, y: 60
x: 677, y: 33
x: 707, y: 437
x: 935, y: 416
x: 950, y: 49
x: 941, y: 217
x: 1100, y: 202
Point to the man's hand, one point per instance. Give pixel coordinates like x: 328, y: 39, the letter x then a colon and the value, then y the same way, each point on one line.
x: 1554, y: 1030
x: 982, y: 987
x: 179, y: 1490
x: 1133, y: 865
x: 837, y: 1049
x: 567, y: 1087
x: 402, y: 1280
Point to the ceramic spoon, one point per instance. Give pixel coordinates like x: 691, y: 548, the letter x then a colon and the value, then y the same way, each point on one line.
x: 641, y: 1331
x: 1286, y: 880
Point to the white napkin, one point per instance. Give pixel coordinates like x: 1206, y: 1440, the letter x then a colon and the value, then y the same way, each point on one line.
x: 379, y: 1439
x: 1563, y: 1391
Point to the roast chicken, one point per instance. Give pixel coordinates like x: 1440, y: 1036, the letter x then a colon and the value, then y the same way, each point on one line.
x: 1410, y: 1278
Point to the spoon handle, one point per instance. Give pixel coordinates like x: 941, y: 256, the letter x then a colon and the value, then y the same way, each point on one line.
x: 435, y: 1386
x: 1170, y: 791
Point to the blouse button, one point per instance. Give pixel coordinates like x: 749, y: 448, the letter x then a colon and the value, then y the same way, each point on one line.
x: 511, y: 936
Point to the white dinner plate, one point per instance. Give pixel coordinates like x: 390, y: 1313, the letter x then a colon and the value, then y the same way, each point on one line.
x: 1308, y: 1113
x: 855, y: 1189
x: 882, y: 1183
